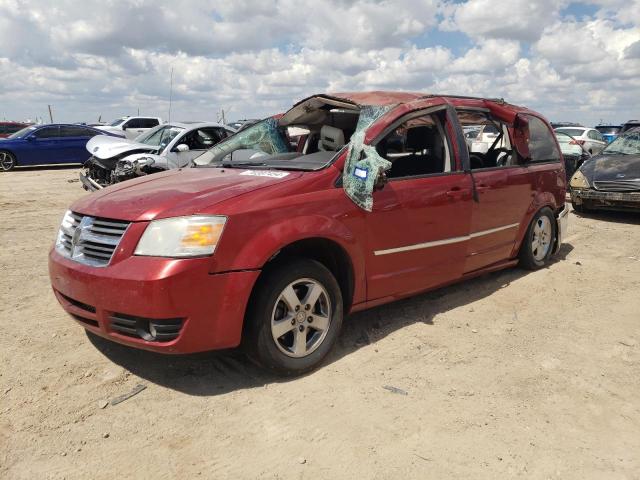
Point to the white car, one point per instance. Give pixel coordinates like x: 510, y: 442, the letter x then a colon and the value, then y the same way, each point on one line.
x: 132, y: 127
x: 165, y: 147
x: 481, y: 137
x: 590, y: 138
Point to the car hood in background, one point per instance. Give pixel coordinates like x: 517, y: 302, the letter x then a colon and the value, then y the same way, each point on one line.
x: 103, y: 147
x: 603, y: 168
x: 176, y: 192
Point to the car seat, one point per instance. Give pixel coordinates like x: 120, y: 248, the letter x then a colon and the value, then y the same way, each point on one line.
x: 331, y: 139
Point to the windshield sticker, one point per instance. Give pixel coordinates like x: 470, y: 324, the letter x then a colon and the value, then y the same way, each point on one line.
x: 265, y: 173
x: 363, y: 161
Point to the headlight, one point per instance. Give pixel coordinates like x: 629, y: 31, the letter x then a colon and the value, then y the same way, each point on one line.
x: 125, y: 165
x: 192, y: 236
x: 579, y: 180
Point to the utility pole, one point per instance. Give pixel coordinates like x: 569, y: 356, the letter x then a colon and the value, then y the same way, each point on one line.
x: 50, y: 114
x: 170, y: 94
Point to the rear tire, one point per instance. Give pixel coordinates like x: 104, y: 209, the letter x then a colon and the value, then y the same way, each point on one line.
x: 294, y: 317
x: 7, y: 161
x: 537, y: 245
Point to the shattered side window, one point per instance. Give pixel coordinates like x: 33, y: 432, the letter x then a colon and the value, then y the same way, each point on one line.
x: 363, y: 161
x: 263, y: 138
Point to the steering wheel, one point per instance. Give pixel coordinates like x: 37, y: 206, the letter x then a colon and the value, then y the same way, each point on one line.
x: 500, y: 160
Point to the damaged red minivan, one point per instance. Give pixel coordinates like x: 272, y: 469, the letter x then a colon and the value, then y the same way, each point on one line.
x: 270, y: 242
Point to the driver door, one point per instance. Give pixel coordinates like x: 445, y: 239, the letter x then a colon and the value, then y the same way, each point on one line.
x: 418, y: 227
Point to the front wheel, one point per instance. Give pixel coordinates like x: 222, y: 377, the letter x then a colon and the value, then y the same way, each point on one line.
x: 7, y: 161
x: 537, y: 245
x: 294, y: 317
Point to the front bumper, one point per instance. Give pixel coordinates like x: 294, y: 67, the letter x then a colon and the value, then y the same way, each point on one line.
x: 89, y: 184
x: 606, y: 200
x: 210, y: 307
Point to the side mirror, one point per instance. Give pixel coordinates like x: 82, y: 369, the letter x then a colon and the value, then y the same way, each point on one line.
x: 182, y: 147
x: 381, y: 180
x: 31, y: 138
x: 521, y: 137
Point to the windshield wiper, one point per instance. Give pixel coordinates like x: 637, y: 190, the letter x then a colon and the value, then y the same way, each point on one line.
x: 240, y: 164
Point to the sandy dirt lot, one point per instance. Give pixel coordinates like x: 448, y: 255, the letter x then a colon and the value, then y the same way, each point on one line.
x: 515, y: 374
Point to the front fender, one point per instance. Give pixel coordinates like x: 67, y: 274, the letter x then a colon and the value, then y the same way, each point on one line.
x: 241, y: 253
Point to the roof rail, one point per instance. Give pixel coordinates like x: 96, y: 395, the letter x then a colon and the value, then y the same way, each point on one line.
x: 466, y: 97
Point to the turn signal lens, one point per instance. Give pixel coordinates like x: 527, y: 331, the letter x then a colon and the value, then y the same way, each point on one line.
x: 579, y: 180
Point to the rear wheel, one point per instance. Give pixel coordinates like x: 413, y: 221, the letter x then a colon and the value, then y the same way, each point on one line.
x: 537, y: 246
x: 7, y: 161
x: 294, y: 317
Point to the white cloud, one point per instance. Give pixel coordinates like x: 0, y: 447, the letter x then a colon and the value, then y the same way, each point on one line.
x: 254, y: 57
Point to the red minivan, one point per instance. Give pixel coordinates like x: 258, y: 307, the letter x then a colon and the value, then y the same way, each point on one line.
x: 270, y: 242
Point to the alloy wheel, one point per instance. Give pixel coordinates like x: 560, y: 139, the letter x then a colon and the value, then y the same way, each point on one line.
x: 301, y: 317
x: 541, y: 240
x: 6, y: 161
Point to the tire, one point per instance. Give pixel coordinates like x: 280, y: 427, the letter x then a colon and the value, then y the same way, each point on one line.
x: 7, y: 161
x: 277, y: 306
x: 537, y: 246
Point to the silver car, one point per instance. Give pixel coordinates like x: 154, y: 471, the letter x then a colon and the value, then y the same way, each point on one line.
x: 589, y: 138
x: 165, y: 147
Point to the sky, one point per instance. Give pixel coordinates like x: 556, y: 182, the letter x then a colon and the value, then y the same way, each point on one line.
x: 571, y: 61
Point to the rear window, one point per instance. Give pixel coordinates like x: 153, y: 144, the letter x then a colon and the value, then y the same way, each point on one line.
x: 574, y: 132
x: 542, y: 144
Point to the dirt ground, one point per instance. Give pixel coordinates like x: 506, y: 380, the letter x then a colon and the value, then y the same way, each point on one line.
x: 515, y: 374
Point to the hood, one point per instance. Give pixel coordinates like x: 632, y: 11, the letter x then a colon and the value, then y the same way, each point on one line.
x: 612, y: 167
x: 104, y: 147
x: 176, y: 192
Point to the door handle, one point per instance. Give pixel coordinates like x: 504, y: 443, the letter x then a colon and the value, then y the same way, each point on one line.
x: 457, y: 192
x: 482, y: 187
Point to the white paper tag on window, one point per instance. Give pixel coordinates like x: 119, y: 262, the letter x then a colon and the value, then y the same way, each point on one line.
x: 360, y: 173
x: 265, y: 173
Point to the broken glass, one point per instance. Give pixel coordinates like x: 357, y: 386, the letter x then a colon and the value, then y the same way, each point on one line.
x: 364, y: 164
x: 263, y: 138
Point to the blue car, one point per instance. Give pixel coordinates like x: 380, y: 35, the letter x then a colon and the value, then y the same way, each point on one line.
x: 47, y: 144
x: 609, y: 132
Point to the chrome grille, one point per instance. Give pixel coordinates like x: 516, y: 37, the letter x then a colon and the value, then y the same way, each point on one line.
x: 89, y: 240
x: 618, y: 185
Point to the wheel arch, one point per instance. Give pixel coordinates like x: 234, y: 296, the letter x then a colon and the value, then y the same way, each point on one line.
x: 543, y: 201
x: 325, y: 251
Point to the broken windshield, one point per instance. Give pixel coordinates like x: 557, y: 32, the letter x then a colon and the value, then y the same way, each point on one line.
x: 259, y: 140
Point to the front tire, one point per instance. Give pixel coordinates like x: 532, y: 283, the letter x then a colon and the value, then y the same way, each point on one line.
x: 294, y: 317
x: 7, y: 161
x: 537, y: 246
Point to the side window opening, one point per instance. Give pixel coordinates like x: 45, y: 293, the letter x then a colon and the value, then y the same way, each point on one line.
x: 488, y: 140
x: 416, y: 147
x: 47, y: 132
x: 203, y: 138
